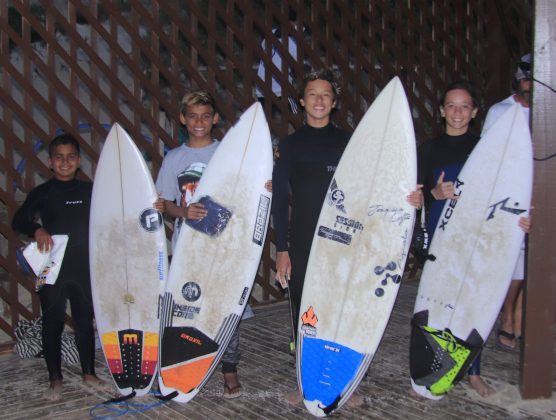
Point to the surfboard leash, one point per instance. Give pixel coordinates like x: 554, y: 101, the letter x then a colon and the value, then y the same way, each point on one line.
x: 545, y: 158
x: 168, y: 397
x: 119, y: 406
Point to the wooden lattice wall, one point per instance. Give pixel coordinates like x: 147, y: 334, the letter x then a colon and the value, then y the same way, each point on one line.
x: 79, y: 66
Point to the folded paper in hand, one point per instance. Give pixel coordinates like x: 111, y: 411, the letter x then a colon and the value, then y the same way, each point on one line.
x: 46, y: 265
x: 216, y: 220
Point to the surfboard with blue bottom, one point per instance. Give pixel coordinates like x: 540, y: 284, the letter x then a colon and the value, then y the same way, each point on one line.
x: 358, y: 254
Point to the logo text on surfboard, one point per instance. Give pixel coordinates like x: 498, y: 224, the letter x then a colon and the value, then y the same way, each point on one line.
x: 335, y: 196
x: 262, y: 216
x: 347, y: 224
x: 193, y: 340
x: 334, y: 235
x: 150, y: 220
x: 185, y: 311
x: 451, y: 206
x: 191, y: 291
x: 309, y: 321
x: 379, y: 271
x: 503, y: 207
x: 244, y: 295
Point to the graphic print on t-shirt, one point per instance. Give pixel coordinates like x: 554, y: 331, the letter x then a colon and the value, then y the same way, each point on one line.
x: 188, y: 181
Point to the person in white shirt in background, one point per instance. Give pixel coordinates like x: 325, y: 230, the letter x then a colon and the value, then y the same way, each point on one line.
x: 509, y: 333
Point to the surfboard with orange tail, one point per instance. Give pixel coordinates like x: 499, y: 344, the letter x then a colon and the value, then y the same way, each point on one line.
x: 129, y: 263
x: 215, y: 260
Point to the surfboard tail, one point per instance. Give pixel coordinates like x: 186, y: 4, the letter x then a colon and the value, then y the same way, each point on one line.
x: 132, y: 357
x: 439, y: 360
x: 330, y: 373
x: 186, y: 356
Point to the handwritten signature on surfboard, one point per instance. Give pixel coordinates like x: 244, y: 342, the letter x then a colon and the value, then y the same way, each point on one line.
x: 396, y: 215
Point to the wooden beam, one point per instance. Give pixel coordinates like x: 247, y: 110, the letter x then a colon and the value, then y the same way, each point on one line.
x: 499, y: 58
x: 537, y: 358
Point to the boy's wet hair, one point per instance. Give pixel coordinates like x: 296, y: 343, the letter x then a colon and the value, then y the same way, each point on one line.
x: 464, y: 85
x: 197, y: 97
x: 322, y: 74
x: 62, y: 139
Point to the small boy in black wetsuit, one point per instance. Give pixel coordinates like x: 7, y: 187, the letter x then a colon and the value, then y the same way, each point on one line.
x: 62, y: 204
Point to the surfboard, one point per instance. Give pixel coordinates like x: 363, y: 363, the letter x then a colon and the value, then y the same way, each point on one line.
x: 358, y: 254
x: 476, y: 244
x: 215, y: 262
x: 129, y: 263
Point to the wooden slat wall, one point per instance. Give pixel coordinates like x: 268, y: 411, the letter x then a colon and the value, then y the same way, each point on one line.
x: 79, y: 66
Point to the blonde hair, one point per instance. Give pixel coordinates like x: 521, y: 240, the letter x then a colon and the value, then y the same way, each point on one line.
x: 197, y: 97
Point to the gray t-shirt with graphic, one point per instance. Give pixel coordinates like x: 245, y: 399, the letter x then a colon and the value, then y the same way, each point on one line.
x: 179, y: 175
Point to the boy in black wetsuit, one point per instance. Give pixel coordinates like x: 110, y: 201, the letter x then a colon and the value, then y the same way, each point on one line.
x: 307, y: 160
x: 62, y: 204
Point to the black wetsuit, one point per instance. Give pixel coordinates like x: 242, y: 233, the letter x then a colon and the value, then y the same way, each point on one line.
x: 445, y: 153
x: 307, y: 161
x: 63, y: 207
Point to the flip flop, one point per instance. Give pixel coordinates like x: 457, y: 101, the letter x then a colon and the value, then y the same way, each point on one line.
x: 505, y: 347
x: 232, y: 392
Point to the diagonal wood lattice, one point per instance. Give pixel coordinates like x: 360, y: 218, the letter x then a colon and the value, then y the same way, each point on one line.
x: 78, y: 66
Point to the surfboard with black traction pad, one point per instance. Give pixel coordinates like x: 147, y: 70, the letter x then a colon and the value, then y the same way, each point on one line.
x: 475, y: 247
x: 129, y: 263
x: 215, y: 260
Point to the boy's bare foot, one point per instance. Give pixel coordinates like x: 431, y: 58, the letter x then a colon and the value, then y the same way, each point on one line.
x: 481, y: 386
x: 294, y: 397
x: 412, y: 393
x: 54, y: 391
x: 232, y: 387
x: 355, y: 400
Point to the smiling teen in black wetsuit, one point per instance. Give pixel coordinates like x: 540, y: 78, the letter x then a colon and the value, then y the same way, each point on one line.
x: 307, y: 160
x: 63, y: 205
x: 439, y: 163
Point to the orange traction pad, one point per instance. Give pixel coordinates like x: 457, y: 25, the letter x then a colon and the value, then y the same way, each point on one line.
x: 187, y: 376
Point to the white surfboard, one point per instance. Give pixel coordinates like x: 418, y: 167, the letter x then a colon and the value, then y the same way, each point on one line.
x: 476, y: 245
x: 358, y: 254
x: 215, y: 263
x: 129, y: 263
